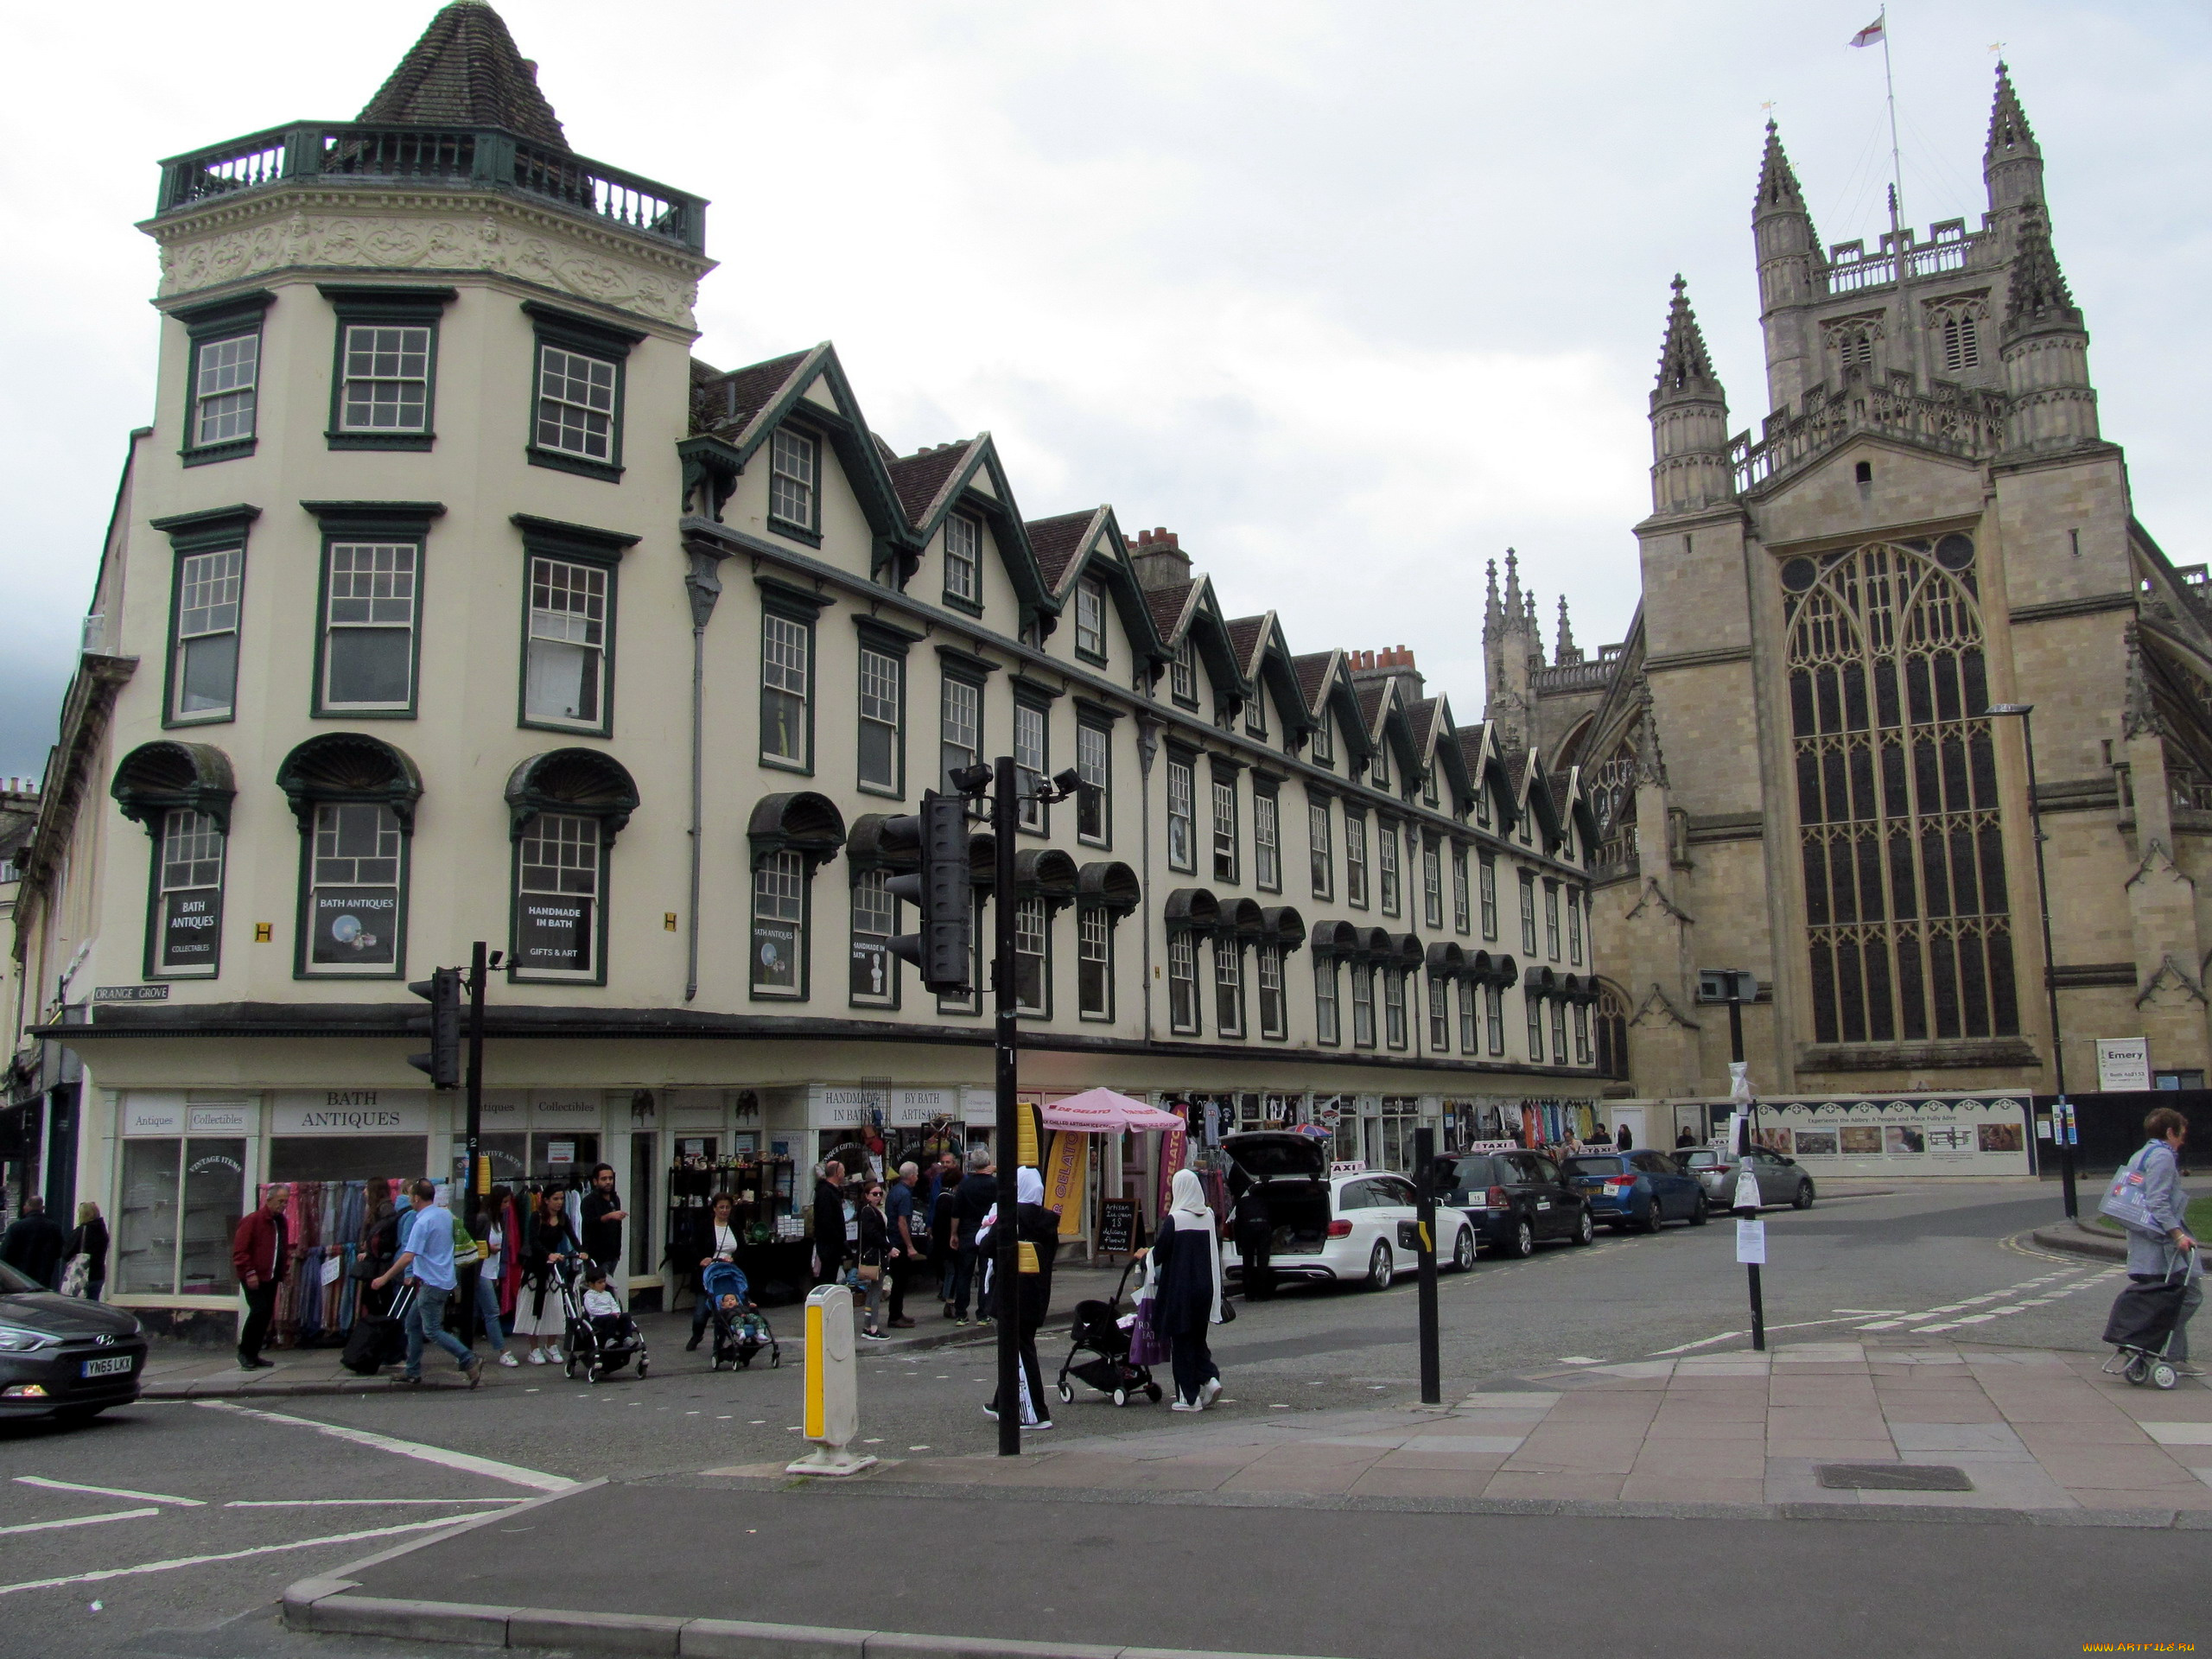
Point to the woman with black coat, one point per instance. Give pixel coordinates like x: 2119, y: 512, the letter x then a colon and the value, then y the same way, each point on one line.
x: 1027, y: 1298
x: 537, y: 1308
x: 874, y: 1261
x: 711, y: 1236
x: 1187, y: 1268
x: 88, y: 1239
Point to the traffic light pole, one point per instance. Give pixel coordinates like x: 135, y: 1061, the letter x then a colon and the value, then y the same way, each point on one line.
x: 1006, y: 808
x: 477, y: 971
x: 1431, y: 1364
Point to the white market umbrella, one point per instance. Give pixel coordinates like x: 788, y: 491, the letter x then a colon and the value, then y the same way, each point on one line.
x: 1101, y: 1111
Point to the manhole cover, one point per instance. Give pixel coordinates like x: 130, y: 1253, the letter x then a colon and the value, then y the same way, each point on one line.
x: 1894, y: 1477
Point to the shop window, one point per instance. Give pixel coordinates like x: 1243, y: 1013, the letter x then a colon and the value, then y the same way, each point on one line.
x: 1326, y: 1028
x: 1229, y: 986
x: 1323, y: 854
x: 1440, y: 1014
x: 1363, y: 1005
x: 882, y: 722
x: 1494, y: 1005
x: 1183, y: 982
x: 1267, y: 843
x: 1032, y: 957
x: 874, y: 981
x: 1225, y: 828
x: 1394, y: 1008
x: 1460, y: 915
x: 1528, y: 913
x: 1031, y: 762
x: 1355, y: 858
x: 1395, y: 1133
x: 1181, y: 814
x: 1095, y: 963
x: 1094, y: 765
x: 780, y: 896
x: 179, y: 1206
x: 1274, y: 1013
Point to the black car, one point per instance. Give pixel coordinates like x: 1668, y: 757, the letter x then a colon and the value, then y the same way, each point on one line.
x: 63, y: 1356
x: 1516, y: 1200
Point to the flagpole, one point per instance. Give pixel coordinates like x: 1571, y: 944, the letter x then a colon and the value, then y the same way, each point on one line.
x: 1896, y: 165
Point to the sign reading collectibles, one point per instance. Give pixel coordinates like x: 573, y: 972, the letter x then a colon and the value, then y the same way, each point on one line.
x: 350, y: 1111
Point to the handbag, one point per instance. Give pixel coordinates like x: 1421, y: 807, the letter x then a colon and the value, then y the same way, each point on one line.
x: 2123, y: 1200
x: 77, y: 1275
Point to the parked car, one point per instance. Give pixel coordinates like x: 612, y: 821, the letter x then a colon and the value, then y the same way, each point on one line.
x: 1644, y: 1190
x: 63, y: 1356
x: 1515, y: 1199
x: 1338, y: 1225
x: 1782, y: 1180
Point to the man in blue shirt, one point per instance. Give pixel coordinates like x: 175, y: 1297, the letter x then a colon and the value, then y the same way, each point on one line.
x: 905, y: 1242
x: 426, y: 1257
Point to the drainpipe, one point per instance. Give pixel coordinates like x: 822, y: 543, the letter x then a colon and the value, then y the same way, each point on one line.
x: 1148, y: 748
x: 702, y: 586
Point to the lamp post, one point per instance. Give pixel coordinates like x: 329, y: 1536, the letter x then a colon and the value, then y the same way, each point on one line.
x: 2062, y: 1117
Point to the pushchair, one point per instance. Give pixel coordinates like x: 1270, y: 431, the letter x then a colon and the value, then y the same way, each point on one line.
x: 742, y: 1332
x: 2141, y: 1325
x: 1098, y: 1331
x: 598, y: 1351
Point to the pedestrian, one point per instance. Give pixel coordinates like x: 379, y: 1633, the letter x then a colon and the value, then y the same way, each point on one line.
x: 871, y: 1245
x: 712, y: 1237
x: 87, y: 1248
x: 1624, y: 1138
x: 601, y: 1305
x: 830, y: 1224
x: 1185, y: 1264
x: 942, y: 1207
x: 491, y: 1230
x: 972, y: 1201
x: 538, y: 1305
x: 603, y: 1216
x: 907, y: 1241
x: 261, y: 1250
x: 33, y: 1244
x: 1684, y: 1140
x: 1255, y: 1234
x: 1026, y: 1297
x: 379, y: 1247
x: 2153, y: 1256
x: 426, y: 1259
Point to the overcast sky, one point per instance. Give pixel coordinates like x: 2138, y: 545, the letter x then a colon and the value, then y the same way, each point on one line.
x: 1352, y: 295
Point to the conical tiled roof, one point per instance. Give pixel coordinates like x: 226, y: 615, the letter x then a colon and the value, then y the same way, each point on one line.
x: 1778, y: 191
x: 2037, y: 298
x: 465, y: 71
x: 2010, y: 136
x: 1685, y: 370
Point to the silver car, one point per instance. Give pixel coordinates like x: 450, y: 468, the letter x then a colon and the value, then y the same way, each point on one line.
x: 1782, y: 1180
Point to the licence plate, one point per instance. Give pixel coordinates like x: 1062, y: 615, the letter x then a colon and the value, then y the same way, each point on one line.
x: 113, y: 1365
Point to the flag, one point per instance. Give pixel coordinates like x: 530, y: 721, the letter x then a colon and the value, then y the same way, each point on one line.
x: 1872, y: 34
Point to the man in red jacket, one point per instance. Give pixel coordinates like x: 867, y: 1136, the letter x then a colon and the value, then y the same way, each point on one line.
x: 262, y: 1252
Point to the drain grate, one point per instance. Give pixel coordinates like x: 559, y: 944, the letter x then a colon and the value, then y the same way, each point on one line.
x: 1894, y: 1477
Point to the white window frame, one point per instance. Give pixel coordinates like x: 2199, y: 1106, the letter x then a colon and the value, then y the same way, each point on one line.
x: 382, y: 590
x: 570, y: 608
x: 1091, y: 619
x: 795, y: 479
x: 1267, y: 841
x: 963, y: 558
x: 578, y: 402
x: 386, y: 360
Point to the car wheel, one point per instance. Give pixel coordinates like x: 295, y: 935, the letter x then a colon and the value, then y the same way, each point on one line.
x: 1379, y: 1268
x: 1585, y: 1230
x: 1463, y: 1251
x: 1522, y: 1244
x: 1653, y: 1219
x: 1802, y: 1198
x: 1701, y: 1213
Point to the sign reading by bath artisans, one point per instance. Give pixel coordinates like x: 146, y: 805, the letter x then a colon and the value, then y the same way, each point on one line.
x: 350, y: 1111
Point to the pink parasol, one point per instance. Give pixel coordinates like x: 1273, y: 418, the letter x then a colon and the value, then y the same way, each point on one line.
x: 1101, y: 1111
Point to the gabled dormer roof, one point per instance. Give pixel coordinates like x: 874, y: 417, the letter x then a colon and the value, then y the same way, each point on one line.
x: 1189, y: 609
x: 1263, y: 656
x: 1489, y: 767
x: 1436, y: 744
x: 1325, y: 679
x: 466, y: 71
x: 1073, y: 545
x: 931, y: 483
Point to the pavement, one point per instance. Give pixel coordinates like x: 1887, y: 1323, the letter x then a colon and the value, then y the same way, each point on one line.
x: 178, y: 1370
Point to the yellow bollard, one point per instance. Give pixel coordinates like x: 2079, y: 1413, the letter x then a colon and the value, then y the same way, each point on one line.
x: 831, y: 1415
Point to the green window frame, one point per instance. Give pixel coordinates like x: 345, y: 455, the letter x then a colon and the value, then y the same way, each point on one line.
x: 184, y: 920
x: 207, y: 614
x: 222, y: 376
x: 1032, y: 957
x: 963, y: 562
x: 1431, y: 884
x: 873, y: 980
x: 578, y: 369
x: 1275, y: 1003
x: 1487, y: 872
x: 1033, y: 761
x: 1090, y: 621
x: 368, y: 636
x: 1095, y: 963
x: 1227, y: 985
x: 1355, y: 856
x: 1528, y: 912
x: 1266, y: 836
x: 1183, y: 1016
x: 1183, y: 673
x: 1440, y: 1014
x: 1227, y: 862
x: 1494, y: 1010
x: 1182, y: 811
x: 385, y: 365
x: 1320, y: 848
x: 558, y: 928
x: 1534, y: 1008
x: 1551, y: 919
x: 1389, y: 848
x: 1574, y: 903
x: 1328, y: 1027
x: 571, y: 589
x: 1363, y: 1005
x: 354, y: 884
x: 782, y: 914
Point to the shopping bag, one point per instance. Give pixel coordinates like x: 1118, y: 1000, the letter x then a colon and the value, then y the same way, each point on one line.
x: 2123, y: 1200
x: 1146, y: 1346
x: 77, y: 1275
x: 2144, y: 1315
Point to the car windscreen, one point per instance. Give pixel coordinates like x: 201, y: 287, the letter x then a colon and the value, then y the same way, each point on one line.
x: 13, y: 1283
x: 1702, y: 1159
x: 1612, y: 1166
x: 1471, y: 1174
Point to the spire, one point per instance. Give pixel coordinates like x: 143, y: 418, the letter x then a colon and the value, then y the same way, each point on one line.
x: 1567, y: 652
x: 1685, y: 372
x: 1778, y: 191
x: 466, y: 71
x: 1513, y: 611
x: 2011, y: 163
x: 2037, y: 299
x: 1492, y: 614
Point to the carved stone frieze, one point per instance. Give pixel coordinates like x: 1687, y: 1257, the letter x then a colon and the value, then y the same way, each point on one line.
x: 496, y: 236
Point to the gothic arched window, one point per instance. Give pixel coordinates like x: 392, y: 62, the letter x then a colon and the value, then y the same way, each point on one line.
x: 1910, y: 933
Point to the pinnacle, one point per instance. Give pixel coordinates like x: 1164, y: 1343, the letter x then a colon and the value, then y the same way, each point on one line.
x: 2010, y: 136
x: 2036, y: 297
x: 466, y: 71
x: 1685, y: 370
x: 1778, y: 192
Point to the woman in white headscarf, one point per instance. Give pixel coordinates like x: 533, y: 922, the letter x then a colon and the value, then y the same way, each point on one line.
x: 1186, y: 1266
x: 1037, y: 1230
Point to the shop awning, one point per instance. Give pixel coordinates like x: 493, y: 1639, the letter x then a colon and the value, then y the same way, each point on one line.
x: 1101, y: 1111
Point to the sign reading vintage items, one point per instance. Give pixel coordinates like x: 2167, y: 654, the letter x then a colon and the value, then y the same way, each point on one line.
x: 356, y: 927
x: 350, y: 1111
x: 2123, y: 1065
x: 1117, y: 1226
x: 130, y: 994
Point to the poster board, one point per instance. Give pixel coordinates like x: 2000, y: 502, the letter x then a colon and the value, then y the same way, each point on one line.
x: 1897, y: 1134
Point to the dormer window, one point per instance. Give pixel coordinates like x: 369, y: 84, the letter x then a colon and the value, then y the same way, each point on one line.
x: 1090, y: 619
x: 1183, y: 676
x: 1378, y: 769
x: 794, y: 467
x: 1325, y: 743
x: 963, y: 546
x: 1256, y: 715
x: 1428, y: 795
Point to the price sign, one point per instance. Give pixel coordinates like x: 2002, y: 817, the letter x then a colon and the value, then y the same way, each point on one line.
x: 1117, y: 1225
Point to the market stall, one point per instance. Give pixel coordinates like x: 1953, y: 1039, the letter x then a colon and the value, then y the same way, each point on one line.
x: 1073, y: 1123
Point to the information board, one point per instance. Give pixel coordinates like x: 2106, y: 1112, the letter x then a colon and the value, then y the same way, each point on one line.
x: 1117, y: 1226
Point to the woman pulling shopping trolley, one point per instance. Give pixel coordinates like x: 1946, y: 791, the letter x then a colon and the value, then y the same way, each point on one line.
x: 2149, y: 1322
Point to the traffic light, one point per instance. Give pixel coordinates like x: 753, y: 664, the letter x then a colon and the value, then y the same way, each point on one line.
x: 441, y: 991
x: 939, y: 889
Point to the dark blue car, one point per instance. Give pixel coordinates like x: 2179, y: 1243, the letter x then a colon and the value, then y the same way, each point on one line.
x: 1644, y: 1190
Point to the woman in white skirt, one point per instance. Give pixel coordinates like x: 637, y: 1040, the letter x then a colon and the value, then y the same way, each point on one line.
x: 537, y: 1307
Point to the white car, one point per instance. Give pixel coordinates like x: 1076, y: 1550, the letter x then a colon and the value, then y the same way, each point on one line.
x: 1336, y: 1222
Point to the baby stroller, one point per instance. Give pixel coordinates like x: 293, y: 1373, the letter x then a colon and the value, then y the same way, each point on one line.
x: 742, y: 1332
x: 2142, y: 1323
x: 598, y: 1350
x: 1098, y: 1331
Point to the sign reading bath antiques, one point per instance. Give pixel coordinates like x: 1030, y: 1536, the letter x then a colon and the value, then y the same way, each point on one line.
x: 2123, y: 1065
x: 350, y: 1111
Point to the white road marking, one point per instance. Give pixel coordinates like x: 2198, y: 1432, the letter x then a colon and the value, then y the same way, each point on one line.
x: 110, y: 1492
x: 513, y: 1474
x: 1579, y: 1359
x: 227, y: 1555
x: 353, y: 1502
x: 1702, y: 1342
x: 78, y: 1520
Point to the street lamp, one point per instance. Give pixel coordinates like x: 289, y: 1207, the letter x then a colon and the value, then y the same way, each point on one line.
x: 2062, y: 1116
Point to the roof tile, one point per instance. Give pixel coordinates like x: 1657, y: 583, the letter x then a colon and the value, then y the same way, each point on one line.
x: 466, y: 71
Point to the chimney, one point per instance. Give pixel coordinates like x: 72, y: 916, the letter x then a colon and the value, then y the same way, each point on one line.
x: 1392, y: 662
x: 1158, y: 558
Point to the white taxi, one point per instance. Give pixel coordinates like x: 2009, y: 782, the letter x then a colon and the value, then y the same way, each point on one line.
x: 1333, y: 1223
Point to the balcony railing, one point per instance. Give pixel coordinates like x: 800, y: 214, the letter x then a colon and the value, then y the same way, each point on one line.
x: 1961, y: 421
x: 1850, y: 270
x: 468, y: 157
x: 1573, y: 677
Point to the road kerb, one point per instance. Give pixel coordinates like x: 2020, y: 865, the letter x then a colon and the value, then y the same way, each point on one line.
x: 2078, y: 1240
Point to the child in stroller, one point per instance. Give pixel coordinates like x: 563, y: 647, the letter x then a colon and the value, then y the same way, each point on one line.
x: 1098, y: 1330
x: 602, y: 1337
x: 740, y: 1329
